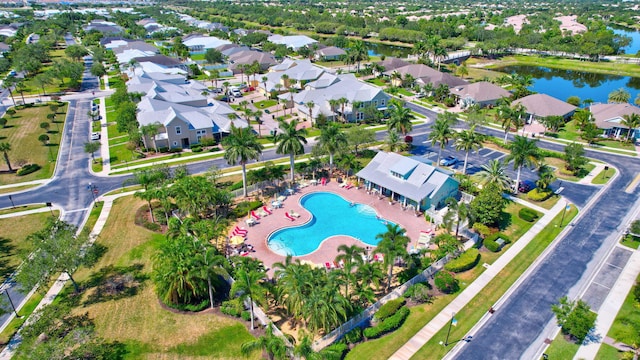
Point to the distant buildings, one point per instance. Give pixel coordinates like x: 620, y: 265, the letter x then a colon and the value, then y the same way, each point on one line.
x: 481, y: 93
x: 423, y: 75
x: 609, y: 117
x: 105, y: 27
x: 293, y: 42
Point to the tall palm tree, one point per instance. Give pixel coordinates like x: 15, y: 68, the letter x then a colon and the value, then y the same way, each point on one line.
x: 393, y: 141
x: 290, y: 141
x: 349, y: 162
x: 582, y: 117
x: 343, y: 101
x: 325, y: 308
x: 458, y: 212
x: 241, y: 146
x: 295, y: 282
x: 310, y: 104
x: 441, y: 133
x: 494, y: 172
x: 213, y: 76
x: 359, y: 51
x: 545, y: 176
x: 150, y: 131
x: 467, y: 141
x: 264, y: 84
x: 619, y: 96
x: 524, y: 152
x: 247, y: 286
x: 351, y: 257
x: 370, y: 273
x: 400, y: 118
x: 332, y: 140
x: 334, y: 104
x: 270, y: 343
x: 5, y: 147
x: 393, y: 244
x: 632, y: 121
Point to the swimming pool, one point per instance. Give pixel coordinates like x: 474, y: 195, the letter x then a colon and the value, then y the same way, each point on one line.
x: 332, y: 215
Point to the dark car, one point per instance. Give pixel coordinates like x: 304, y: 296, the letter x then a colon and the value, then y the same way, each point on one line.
x: 526, y: 185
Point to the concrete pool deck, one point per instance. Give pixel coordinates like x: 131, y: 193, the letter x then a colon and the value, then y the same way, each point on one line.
x: 327, y: 251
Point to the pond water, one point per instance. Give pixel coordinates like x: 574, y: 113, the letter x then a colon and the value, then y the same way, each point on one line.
x: 562, y: 84
x: 634, y: 46
x: 376, y: 49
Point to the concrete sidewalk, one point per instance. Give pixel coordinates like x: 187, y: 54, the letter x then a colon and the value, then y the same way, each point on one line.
x: 591, y: 175
x: 442, y: 319
x: 609, y: 310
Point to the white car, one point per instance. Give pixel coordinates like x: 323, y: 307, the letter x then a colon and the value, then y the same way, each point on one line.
x: 95, y: 136
x: 448, y: 161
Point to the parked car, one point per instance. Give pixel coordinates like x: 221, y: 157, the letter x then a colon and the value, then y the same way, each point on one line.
x: 217, y: 90
x: 95, y: 136
x: 448, y: 161
x: 526, y: 185
x: 236, y: 93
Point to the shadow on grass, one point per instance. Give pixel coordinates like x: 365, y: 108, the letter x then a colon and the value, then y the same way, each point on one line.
x: 504, y: 221
x: 113, y: 283
x: 6, y: 250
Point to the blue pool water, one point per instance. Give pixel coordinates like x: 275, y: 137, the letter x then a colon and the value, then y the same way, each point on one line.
x: 332, y: 215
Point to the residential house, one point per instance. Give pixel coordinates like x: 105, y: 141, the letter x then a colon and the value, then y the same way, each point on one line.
x: 183, y: 114
x: 329, y: 53
x: 4, y: 48
x: 9, y: 30
x: 481, y: 93
x: 392, y: 63
x: 423, y: 75
x: 358, y: 96
x: 294, y: 42
x: 161, y: 63
x: 408, y: 181
x: 105, y: 27
x: 302, y: 71
x: 542, y: 105
x: 608, y: 117
x: 248, y: 57
x: 199, y: 44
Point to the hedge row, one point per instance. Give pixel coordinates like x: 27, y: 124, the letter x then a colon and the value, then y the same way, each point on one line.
x: 491, y: 244
x: 243, y: 208
x: 28, y: 169
x: 539, y: 194
x: 468, y: 260
x: 446, y: 282
x: 354, y: 336
x: 389, y: 324
x: 388, y: 309
x: 527, y: 214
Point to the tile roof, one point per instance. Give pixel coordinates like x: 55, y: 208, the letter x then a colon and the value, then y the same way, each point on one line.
x: 543, y: 105
x: 608, y: 116
x: 480, y: 91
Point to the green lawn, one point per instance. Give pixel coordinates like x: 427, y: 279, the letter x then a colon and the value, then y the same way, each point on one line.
x: 16, y: 323
x: 608, y: 352
x: 96, y: 165
x: 113, y: 132
x: 567, y: 64
x: 630, y: 241
x: 16, y: 209
x: 196, y: 57
x: 624, y: 328
x: 546, y: 204
x: 560, y: 348
x: 22, y: 132
x: 118, y: 140
x: 120, y: 153
x: 405, y: 92
x: 377, y: 81
x: 182, y: 155
x: 604, y: 176
x: 420, y: 315
x: 265, y: 104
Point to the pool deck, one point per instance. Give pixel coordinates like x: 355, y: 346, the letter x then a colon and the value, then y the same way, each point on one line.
x: 257, y: 234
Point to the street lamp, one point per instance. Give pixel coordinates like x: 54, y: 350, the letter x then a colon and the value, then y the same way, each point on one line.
x: 453, y: 319
x: 6, y: 291
x: 13, y: 206
x: 567, y: 207
x: 94, y: 191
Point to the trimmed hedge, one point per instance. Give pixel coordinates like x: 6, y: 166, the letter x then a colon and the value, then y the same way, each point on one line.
x: 389, y: 324
x: 446, y: 282
x: 243, y: 208
x: 491, y: 244
x: 28, y: 169
x: 468, y: 260
x: 539, y: 194
x: 354, y: 336
x: 231, y: 307
x: 235, y: 186
x: 389, y: 308
x: 528, y: 215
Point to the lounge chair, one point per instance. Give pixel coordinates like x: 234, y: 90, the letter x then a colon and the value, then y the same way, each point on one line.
x: 327, y: 265
x: 240, y: 230
x: 254, y: 215
x: 343, y: 184
x: 289, y: 216
x: 267, y: 210
x: 235, y: 233
x: 262, y: 213
x: 294, y: 214
x: 348, y: 186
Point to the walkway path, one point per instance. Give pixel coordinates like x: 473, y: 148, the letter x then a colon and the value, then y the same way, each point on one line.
x: 443, y: 318
x: 593, y: 173
x: 609, y: 310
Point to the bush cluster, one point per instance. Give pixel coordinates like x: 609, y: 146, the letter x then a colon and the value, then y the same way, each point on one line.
x: 539, y: 194
x: 28, y: 169
x: 207, y: 141
x: 232, y: 308
x: 468, y: 260
x: 175, y: 150
x: 446, y: 282
x: 419, y: 293
x: 527, y: 214
x: 163, y: 149
x: 354, y: 336
x: 389, y: 308
x: 550, y: 153
x: 243, y: 208
x: 196, y: 148
x: 235, y: 186
x: 389, y: 324
x: 491, y: 244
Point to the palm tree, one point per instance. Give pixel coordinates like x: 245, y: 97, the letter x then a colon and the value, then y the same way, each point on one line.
x: 8, y: 84
x: 5, y: 147
x: 393, y: 244
x: 241, y: 146
x: 334, y: 103
x: 304, y: 349
x: 351, y: 256
x: 524, y: 152
x: 213, y: 76
x: 619, y: 96
x: 270, y: 343
x: 359, y: 51
x: 458, y: 212
x: 441, y: 133
x: 310, y: 104
x: 332, y: 140
x: 264, y: 84
x: 295, y: 282
x: 210, y: 264
x: 393, y: 141
x: 396, y: 78
x: 247, y: 287
x: 467, y: 141
x: 632, y: 121
x: 343, y: 102
x: 545, y: 176
x: 349, y: 162
x: 290, y: 141
x: 370, y: 273
x: 150, y: 131
x: 582, y: 117
x: 494, y: 172
x: 400, y: 118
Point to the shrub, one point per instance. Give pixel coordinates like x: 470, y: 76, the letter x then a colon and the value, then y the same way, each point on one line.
x: 196, y: 150
x: 468, y: 260
x: 28, y: 169
x: 207, y: 141
x: 245, y: 315
x: 244, y: 207
x: 566, y: 172
x: 491, y: 244
x: 175, y: 150
x: 235, y: 186
x: 419, y: 293
x: 527, y: 214
x: 152, y: 226
x: 163, y: 149
x: 231, y: 307
x: 389, y: 308
x: 353, y: 336
x: 482, y: 229
x: 11, y: 112
x: 550, y: 153
x: 389, y: 324
x: 335, y: 351
x: 446, y: 282
x: 539, y: 195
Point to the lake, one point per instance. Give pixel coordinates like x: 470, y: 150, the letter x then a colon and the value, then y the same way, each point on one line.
x: 564, y: 83
x: 376, y: 49
x: 634, y: 47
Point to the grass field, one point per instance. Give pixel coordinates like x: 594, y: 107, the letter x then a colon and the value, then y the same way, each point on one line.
x: 624, y: 328
x: 147, y: 329
x: 13, y: 239
x: 22, y: 132
x: 608, y: 352
x: 560, y: 348
x: 265, y: 104
x: 385, y: 346
x: 567, y: 64
x: 604, y: 176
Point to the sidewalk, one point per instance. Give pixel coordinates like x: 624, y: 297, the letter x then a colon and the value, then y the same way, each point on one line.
x: 590, y: 176
x: 609, y: 310
x: 442, y: 319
